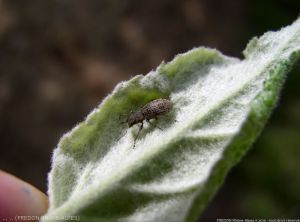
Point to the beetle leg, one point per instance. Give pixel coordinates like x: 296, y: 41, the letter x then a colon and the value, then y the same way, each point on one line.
x: 153, y: 124
x: 141, y: 127
x: 122, y: 135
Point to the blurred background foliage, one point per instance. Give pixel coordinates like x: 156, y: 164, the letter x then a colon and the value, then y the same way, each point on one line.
x: 59, y: 58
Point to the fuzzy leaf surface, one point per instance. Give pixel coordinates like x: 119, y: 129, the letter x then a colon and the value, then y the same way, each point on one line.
x: 220, y: 106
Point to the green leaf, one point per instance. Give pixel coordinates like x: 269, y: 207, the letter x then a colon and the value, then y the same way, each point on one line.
x: 220, y: 106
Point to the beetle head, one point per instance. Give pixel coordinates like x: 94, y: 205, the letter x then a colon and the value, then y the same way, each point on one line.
x: 134, y: 118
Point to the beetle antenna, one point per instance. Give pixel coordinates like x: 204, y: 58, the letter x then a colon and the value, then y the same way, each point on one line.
x: 121, y: 117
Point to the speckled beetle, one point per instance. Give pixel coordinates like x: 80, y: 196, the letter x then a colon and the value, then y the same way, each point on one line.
x: 151, y: 110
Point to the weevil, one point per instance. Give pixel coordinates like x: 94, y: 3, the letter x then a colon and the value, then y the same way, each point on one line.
x: 149, y: 111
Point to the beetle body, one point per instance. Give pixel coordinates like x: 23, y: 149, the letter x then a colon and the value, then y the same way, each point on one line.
x: 151, y: 110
